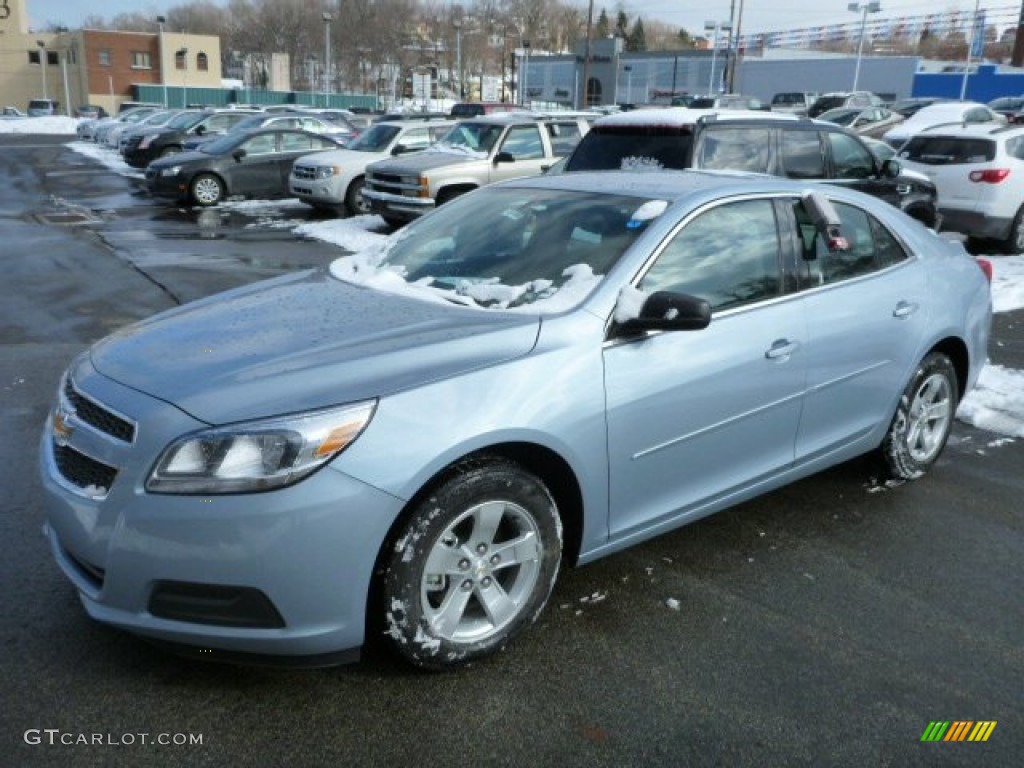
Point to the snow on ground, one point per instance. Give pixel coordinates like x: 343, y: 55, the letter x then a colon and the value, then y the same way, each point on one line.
x: 995, y: 405
x: 57, y: 124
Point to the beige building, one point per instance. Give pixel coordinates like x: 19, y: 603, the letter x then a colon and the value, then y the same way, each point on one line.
x: 100, y: 67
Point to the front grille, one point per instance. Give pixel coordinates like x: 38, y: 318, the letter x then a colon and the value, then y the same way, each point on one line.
x: 304, y: 172
x: 94, y: 477
x: 97, y: 416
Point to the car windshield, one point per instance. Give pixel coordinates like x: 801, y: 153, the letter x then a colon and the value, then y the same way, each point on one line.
x: 704, y: 102
x: 222, y: 144
x: 375, y: 139
x: 469, y: 138
x: 788, y: 98
x: 185, y: 120
x: 826, y: 103
x: 506, y: 248
x: 633, y: 147
x: 840, y: 116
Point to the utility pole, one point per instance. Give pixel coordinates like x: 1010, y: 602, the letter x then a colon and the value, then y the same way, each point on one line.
x: 586, y: 58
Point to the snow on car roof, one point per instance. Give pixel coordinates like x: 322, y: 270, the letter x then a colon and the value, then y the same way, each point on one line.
x: 682, y: 116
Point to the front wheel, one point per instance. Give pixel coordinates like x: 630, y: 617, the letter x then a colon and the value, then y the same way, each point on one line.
x: 356, y: 204
x: 923, y: 420
x: 206, y: 189
x: 473, y: 565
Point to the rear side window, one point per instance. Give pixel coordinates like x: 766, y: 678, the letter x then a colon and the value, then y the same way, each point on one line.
x: 948, y: 150
x: 734, y: 149
x: 802, y: 155
x: 607, y: 148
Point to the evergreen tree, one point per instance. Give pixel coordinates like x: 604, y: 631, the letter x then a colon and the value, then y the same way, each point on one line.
x: 622, y: 25
x: 637, y: 40
x: 603, y: 26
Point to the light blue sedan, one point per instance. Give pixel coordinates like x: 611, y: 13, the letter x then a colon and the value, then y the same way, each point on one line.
x: 410, y: 444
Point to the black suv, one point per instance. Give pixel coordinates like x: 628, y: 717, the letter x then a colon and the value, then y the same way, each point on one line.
x: 780, y: 145
x: 164, y: 140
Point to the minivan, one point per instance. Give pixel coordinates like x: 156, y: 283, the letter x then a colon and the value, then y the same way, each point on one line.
x: 42, y: 107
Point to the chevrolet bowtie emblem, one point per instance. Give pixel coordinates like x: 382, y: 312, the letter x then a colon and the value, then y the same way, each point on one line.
x: 61, y: 428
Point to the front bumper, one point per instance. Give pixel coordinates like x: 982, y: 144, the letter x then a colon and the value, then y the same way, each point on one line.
x: 278, y: 575
x: 397, y: 206
x: 175, y: 187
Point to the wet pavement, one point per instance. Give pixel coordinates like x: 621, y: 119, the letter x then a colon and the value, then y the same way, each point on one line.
x: 825, y: 624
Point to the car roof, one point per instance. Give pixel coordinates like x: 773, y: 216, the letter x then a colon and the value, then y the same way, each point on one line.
x: 943, y: 109
x: 973, y: 130
x: 683, y: 116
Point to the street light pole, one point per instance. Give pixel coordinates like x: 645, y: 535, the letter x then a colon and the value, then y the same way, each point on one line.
x: 628, y: 69
x: 183, y: 52
x: 586, y: 58
x: 863, y: 9
x: 42, y: 64
x: 327, y: 57
x: 160, y: 20
x: 715, y: 27
x: 458, y: 56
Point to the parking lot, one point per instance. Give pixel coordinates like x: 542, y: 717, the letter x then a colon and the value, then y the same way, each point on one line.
x: 824, y: 624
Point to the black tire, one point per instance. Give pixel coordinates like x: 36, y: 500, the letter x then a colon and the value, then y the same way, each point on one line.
x: 355, y: 203
x: 1014, y: 240
x: 473, y: 565
x: 206, y: 189
x: 923, y: 419
x: 392, y: 222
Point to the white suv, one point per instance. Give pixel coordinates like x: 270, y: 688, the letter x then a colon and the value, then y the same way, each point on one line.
x: 334, y: 180
x: 979, y: 173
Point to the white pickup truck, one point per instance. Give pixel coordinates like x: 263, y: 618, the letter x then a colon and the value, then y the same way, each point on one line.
x: 475, y: 153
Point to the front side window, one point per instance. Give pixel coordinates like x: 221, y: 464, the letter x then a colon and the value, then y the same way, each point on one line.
x: 851, y: 159
x: 523, y: 142
x: 728, y: 255
x: 802, y: 155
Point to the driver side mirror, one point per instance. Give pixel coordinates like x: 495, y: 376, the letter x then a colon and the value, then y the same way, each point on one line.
x: 891, y: 168
x: 662, y: 311
x: 504, y: 157
x: 399, y: 149
x: 238, y: 154
x: 200, y: 130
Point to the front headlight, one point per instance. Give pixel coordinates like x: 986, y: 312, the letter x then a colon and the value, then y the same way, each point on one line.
x: 174, y: 170
x: 326, y: 171
x: 258, y: 455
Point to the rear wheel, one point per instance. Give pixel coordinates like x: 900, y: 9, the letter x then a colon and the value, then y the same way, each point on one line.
x: 356, y: 204
x: 923, y: 420
x: 206, y: 189
x: 1014, y: 241
x: 473, y: 565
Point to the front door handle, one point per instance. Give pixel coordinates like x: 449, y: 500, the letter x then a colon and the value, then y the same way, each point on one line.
x: 781, y: 349
x: 905, y: 309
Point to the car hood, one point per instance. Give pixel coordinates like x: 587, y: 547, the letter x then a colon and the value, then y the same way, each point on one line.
x: 301, y: 342
x: 429, y: 159
x: 336, y: 156
x: 182, y: 158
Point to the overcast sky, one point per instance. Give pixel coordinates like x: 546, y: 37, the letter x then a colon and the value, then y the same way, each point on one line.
x: 758, y: 15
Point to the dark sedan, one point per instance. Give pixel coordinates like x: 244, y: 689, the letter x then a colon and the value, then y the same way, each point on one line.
x: 254, y: 164
x: 167, y: 139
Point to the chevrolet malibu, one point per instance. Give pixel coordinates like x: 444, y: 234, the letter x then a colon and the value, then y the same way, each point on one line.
x: 408, y: 445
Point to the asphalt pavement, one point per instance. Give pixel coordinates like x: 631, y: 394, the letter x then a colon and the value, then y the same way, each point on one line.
x: 825, y: 624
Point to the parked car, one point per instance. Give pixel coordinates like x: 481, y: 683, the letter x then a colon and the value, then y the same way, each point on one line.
x: 793, y: 102
x: 475, y: 153
x: 1010, y: 107
x: 251, y: 164
x: 100, y: 128
x: 43, y: 108
x: 336, y: 127
x: 947, y: 113
x: 782, y: 145
x: 169, y: 139
x: 870, y: 121
x: 90, y: 111
x: 334, y: 180
x: 12, y: 112
x: 727, y: 101
x: 979, y: 172
x: 478, y: 108
x: 131, y: 135
x: 408, y: 446
x: 909, y: 106
x: 838, y: 99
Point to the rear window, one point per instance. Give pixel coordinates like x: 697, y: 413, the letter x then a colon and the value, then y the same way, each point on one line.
x: 40, y: 104
x: 788, y: 98
x: 613, y: 147
x: 948, y: 150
